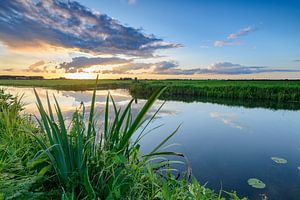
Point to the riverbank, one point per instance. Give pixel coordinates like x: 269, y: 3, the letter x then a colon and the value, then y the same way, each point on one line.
x: 282, y: 91
x: 47, y: 160
x: 278, y: 91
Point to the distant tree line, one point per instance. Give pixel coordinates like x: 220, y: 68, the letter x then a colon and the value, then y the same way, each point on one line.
x: 9, y: 77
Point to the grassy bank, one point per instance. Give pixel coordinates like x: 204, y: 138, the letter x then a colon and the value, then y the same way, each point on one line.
x: 278, y: 91
x: 265, y: 90
x: 69, y: 84
x: 49, y: 159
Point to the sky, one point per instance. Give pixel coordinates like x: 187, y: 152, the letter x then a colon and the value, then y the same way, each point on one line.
x: 198, y: 39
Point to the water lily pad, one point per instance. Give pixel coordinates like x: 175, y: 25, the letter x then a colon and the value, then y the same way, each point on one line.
x: 256, y: 183
x: 279, y: 160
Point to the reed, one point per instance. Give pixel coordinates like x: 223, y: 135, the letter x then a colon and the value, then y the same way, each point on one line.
x: 79, y: 159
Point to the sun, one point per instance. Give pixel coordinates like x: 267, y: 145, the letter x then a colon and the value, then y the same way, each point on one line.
x: 81, y: 76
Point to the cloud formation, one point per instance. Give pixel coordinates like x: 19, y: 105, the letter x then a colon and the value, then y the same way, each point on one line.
x: 231, y: 68
x: 68, y: 24
x: 131, y: 1
x: 80, y: 63
x: 242, y: 32
x: 172, y: 68
x: 164, y: 67
x: 8, y: 69
x: 37, y: 64
x: 232, y: 39
x: 36, y: 67
x: 229, y: 119
x: 41, y: 67
x: 221, y: 43
x: 129, y: 66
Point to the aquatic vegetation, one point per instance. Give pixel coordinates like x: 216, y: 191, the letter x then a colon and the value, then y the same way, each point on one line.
x: 279, y: 160
x: 70, y: 152
x: 256, y: 183
x: 279, y: 91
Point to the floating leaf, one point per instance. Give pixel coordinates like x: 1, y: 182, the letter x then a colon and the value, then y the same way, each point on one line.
x: 256, y: 183
x: 279, y: 160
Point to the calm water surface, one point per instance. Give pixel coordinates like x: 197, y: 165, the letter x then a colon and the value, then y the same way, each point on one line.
x: 226, y: 145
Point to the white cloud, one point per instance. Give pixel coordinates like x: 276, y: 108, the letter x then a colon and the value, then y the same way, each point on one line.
x: 131, y: 1
x: 221, y: 43
x: 233, y: 38
x: 229, y: 119
x: 173, y: 68
x: 242, y: 32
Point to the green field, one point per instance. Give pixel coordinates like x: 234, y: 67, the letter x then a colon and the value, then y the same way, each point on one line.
x: 274, y: 90
x: 68, y: 84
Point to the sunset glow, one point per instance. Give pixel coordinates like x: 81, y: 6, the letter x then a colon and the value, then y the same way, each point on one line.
x: 150, y: 99
x: 79, y: 39
x: 80, y: 76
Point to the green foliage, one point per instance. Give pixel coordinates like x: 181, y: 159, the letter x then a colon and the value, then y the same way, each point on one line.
x: 279, y: 160
x: 278, y: 91
x: 15, y: 145
x: 74, y: 84
x: 256, y: 183
x: 78, y: 158
x: 18, y: 179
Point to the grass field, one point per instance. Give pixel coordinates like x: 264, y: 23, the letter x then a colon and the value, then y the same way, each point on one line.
x: 68, y: 84
x: 275, y: 90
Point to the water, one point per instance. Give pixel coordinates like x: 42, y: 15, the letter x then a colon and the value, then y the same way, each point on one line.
x: 226, y: 145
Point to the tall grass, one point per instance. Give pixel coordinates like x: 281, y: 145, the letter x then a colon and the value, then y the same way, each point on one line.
x: 80, y: 160
x: 17, y: 148
x: 11, y: 131
x: 274, y: 91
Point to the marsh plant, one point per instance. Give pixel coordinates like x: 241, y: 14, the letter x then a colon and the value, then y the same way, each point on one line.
x: 101, y: 167
x: 84, y: 161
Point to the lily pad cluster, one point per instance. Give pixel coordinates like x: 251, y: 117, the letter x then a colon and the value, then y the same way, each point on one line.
x: 256, y: 183
x: 279, y: 160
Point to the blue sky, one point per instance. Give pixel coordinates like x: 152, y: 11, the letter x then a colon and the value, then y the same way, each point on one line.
x: 198, y: 23
x: 190, y: 37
